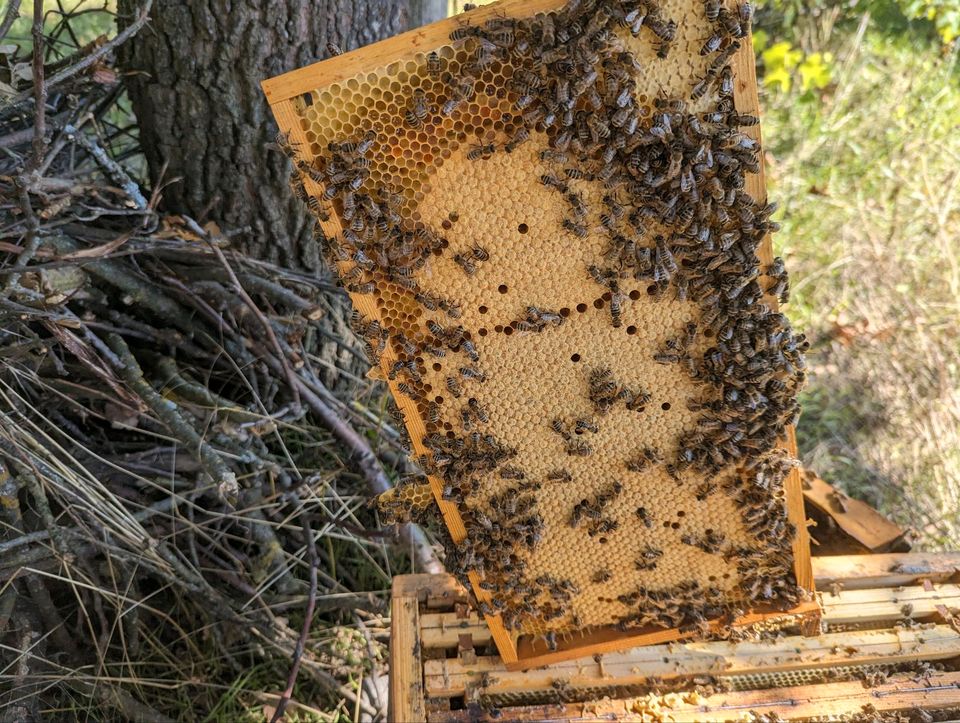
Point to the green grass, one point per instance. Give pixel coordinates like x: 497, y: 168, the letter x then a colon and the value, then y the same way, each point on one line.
x: 867, y: 175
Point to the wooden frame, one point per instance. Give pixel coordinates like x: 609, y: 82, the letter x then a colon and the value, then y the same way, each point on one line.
x: 871, y: 597
x: 857, y: 520
x: 284, y: 94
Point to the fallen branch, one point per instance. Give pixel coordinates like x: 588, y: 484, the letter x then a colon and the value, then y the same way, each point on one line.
x: 369, y: 465
x: 307, y: 622
x: 10, y: 17
x: 132, y: 374
x: 112, y: 168
x: 127, y: 33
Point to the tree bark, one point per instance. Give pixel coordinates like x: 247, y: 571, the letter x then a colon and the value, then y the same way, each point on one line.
x: 193, y: 75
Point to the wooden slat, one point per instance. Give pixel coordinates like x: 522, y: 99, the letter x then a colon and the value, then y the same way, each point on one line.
x: 450, y: 677
x: 436, y: 590
x: 406, y: 675
x: 398, y: 48
x: 901, y: 692
x: 442, y: 630
x: 744, y: 65
x: 608, y: 640
x: 887, y: 570
x: 857, y: 519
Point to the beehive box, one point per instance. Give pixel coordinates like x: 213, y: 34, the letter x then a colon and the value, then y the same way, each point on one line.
x: 888, y: 650
x: 552, y: 223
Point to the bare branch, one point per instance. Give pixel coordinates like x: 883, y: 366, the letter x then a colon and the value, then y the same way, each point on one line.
x: 307, y: 622
x: 120, y: 39
x: 10, y: 17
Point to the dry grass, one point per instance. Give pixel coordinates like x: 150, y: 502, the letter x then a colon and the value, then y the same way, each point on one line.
x: 867, y: 174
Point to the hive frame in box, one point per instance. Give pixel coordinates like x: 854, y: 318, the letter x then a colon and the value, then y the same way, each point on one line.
x: 441, y: 669
x: 284, y: 94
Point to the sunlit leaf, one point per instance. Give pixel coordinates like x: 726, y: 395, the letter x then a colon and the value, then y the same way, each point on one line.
x: 815, y: 72
x: 782, y: 55
x: 778, y: 78
x: 760, y: 40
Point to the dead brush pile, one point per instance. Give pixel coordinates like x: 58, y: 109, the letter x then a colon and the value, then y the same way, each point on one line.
x: 183, y: 491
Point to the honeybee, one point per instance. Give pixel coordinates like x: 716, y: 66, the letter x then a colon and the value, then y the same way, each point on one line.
x: 560, y: 427
x: 467, y: 347
x: 601, y: 576
x: 450, y: 106
x: 578, y: 448
x: 576, y: 174
x: 409, y: 391
x: 666, y: 358
x: 465, y: 263
x: 413, y: 120
x: 434, y: 64
x: 644, y: 517
x: 616, y: 308
x: 366, y: 142
x: 519, y: 137
x: 577, y: 205
x: 511, y: 472
x: 578, y: 230
x: 554, y: 182
x: 551, y: 155
x: 731, y: 23
x: 479, y: 253
x: 585, y: 425
x: 473, y: 373
x: 478, y: 411
x: 466, y: 31
x: 648, y: 558
x: 420, y: 107
x: 712, y: 44
x: 453, y: 386
x: 481, y: 151
x: 559, y: 475
x: 333, y: 49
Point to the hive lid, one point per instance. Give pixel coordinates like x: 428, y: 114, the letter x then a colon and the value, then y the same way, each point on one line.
x: 555, y: 364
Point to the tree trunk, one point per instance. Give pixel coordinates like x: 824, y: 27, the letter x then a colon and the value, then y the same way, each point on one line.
x: 193, y: 75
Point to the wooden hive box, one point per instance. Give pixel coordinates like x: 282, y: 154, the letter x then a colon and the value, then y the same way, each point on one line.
x: 558, y: 264
x: 889, y: 644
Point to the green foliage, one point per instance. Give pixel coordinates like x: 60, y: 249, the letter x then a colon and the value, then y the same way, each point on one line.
x: 930, y: 18
x: 785, y: 65
x: 944, y: 14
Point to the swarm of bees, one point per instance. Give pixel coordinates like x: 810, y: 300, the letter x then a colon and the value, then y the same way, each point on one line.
x: 675, y: 217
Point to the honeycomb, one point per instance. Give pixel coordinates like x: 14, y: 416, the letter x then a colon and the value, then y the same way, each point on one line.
x: 570, y: 312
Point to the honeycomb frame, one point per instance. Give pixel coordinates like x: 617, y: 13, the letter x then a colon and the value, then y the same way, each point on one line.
x: 292, y: 94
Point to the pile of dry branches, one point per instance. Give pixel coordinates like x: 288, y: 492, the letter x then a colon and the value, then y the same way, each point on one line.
x: 183, y: 491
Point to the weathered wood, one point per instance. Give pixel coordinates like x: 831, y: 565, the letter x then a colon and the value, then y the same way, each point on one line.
x: 848, y: 607
x: 857, y: 519
x: 406, y: 674
x: 901, y: 692
x: 606, y: 640
x: 886, y: 570
x: 881, y: 647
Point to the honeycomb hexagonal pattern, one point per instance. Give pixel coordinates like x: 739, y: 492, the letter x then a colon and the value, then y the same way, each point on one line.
x: 558, y: 399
